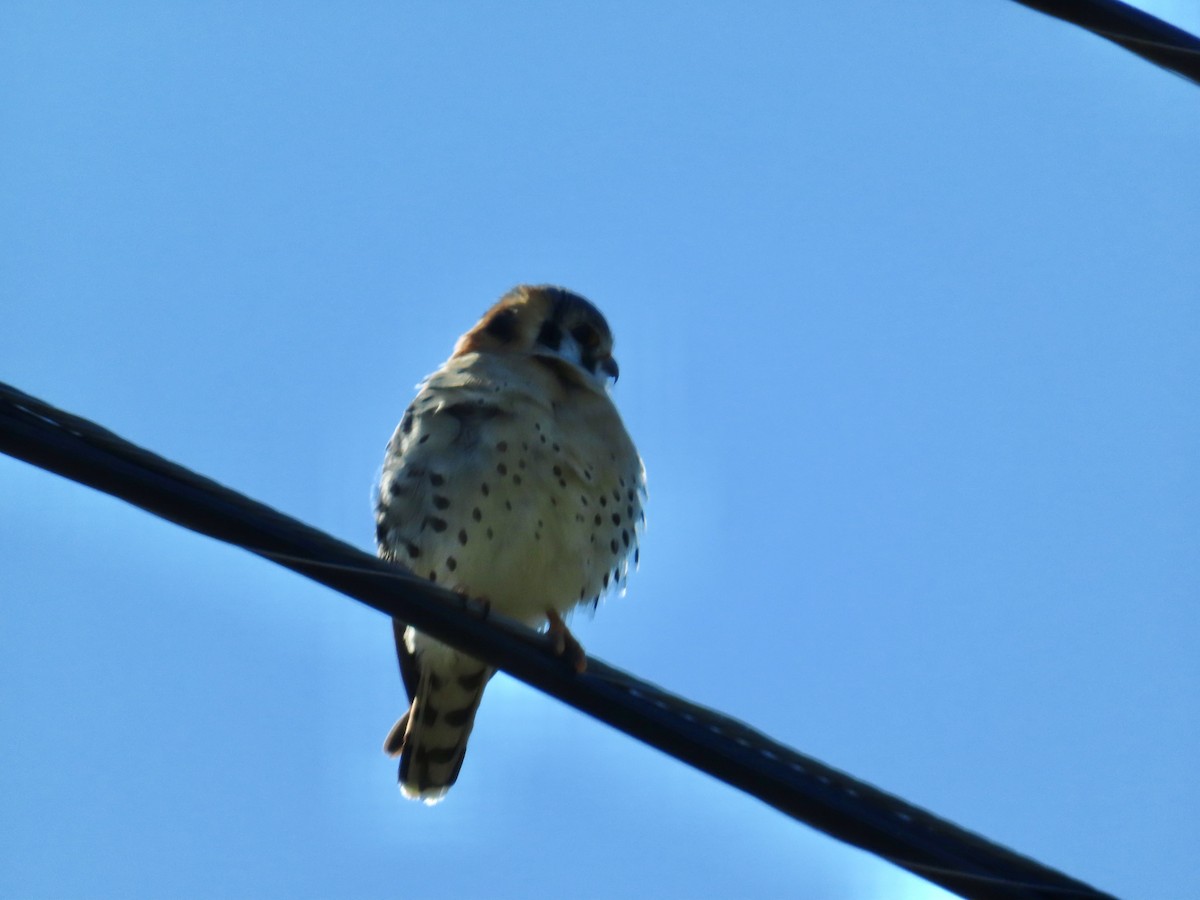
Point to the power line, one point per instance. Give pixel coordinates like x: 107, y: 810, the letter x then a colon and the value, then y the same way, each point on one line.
x: 1138, y: 32
x: 824, y: 798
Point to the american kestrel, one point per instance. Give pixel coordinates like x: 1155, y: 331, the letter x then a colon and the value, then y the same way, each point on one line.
x: 512, y: 480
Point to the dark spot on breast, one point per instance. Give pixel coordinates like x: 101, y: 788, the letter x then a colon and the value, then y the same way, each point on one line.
x: 558, y: 471
x: 441, y: 502
x: 485, y: 489
x: 516, y: 479
x: 435, y: 523
x: 429, y: 714
x: 433, y: 576
x: 437, y: 480
x: 625, y: 537
x: 520, y: 463
x: 629, y: 512
x: 598, y: 520
x: 583, y: 499
x: 502, y: 446
x: 477, y: 514
x: 490, y: 534
x: 613, y: 545
x: 407, y: 422
x: 501, y: 468
x: 616, y: 518
x: 451, y: 563
x: 413, y: 550
x: 508, y: 505
x: 606, y: 579
x: 470, y: 417
x: 423, y: 438
x: 380, y: 533
x: 604, y: 501
x: 616, y: 495
x: 562, y: 482
x: 456, y: 718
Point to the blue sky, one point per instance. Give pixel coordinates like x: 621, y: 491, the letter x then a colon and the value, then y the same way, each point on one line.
x: 905, y: 298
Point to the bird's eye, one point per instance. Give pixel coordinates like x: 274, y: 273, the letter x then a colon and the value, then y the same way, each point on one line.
x: 586, y: 336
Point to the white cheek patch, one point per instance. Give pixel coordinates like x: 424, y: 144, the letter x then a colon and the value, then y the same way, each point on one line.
x: 569, y: 350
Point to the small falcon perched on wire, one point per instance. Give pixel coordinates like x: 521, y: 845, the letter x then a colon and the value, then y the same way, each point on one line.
x: 512, y: 480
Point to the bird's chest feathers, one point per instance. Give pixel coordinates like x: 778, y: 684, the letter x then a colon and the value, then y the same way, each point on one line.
x: 523, y: 506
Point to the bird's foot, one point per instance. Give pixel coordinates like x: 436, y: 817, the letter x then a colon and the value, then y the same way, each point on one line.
x: 564, y: 642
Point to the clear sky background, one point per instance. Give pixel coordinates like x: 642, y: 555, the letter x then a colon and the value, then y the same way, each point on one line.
x: 905, y: 298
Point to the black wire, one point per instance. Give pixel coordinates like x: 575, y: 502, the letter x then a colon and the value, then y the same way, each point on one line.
x: 1138, y: 32
x: 828, y: 800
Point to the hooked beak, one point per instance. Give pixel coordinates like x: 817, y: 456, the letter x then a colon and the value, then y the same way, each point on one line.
x: 609, y: 365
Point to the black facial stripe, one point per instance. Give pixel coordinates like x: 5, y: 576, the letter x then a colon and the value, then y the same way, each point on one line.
x: 551, y: 335
x: 503, y: 325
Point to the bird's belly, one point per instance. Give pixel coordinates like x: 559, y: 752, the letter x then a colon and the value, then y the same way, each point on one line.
x: 534, y: 556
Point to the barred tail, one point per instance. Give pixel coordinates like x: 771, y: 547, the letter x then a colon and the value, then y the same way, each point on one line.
x: 431, y: 738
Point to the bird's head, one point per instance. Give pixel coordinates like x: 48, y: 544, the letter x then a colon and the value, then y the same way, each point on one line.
x: 557, y: 328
